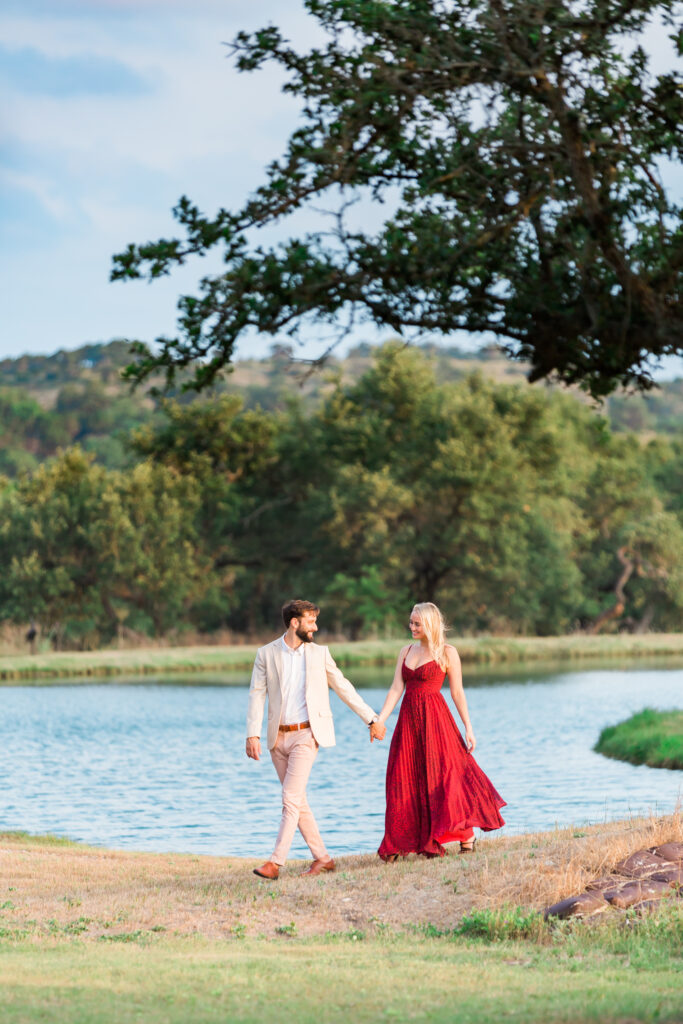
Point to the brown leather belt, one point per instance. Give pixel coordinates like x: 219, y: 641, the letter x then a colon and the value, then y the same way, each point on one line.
x: 293, y: 728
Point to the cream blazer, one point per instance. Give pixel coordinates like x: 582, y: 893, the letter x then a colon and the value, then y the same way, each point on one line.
x: 321, y: 675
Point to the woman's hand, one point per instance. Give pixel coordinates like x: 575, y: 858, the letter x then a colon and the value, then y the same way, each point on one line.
x: 470, y: 740
x: 377, y: 730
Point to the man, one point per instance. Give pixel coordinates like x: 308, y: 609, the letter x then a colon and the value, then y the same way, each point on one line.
x: 295, y: 675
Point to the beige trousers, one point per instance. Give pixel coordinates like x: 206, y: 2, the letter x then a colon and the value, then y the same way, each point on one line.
x: 293, y: 756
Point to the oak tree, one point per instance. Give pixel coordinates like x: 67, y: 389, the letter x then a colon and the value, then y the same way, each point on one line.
x: 518, y: 146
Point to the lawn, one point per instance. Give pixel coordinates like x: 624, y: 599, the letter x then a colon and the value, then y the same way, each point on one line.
x: 89, y: 934
x: 389, y: 979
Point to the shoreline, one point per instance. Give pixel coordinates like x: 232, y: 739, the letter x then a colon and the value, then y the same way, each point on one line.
x: 480, y: 651
x: 487, y: 843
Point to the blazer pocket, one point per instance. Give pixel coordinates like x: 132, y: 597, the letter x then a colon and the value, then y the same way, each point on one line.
x: 324, y: 714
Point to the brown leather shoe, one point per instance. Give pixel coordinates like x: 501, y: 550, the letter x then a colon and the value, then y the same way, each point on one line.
x: 268, y: 870
x: 318, y: 866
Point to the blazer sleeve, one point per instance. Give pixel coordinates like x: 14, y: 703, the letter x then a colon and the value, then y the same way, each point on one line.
x: 257, y: 696
x: 344, y: 689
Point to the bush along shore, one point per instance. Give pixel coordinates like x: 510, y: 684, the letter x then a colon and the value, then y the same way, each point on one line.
x: 650, y: 737
x: 348, y: 655
x: 169, y: 937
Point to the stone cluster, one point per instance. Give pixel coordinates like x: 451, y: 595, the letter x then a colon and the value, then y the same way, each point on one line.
x: 640, y: 881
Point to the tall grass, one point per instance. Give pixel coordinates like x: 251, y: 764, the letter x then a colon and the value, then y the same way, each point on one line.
x: 382, y: 653
x: 647, y: 939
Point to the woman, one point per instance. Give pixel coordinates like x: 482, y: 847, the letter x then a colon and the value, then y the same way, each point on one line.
x: 436, y: 791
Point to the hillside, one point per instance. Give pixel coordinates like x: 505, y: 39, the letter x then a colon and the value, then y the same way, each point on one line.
x: 77, y: 397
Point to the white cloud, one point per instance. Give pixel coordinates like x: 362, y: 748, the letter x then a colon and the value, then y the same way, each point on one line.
x: 42, y: 189
x: 108, y: 169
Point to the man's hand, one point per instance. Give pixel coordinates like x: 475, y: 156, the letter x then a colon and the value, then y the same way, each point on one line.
x: 377, y: 731
x: 254, y: 747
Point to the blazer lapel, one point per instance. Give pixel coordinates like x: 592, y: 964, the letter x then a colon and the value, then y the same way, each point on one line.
x: 308, y: 662
x: 277, y: 661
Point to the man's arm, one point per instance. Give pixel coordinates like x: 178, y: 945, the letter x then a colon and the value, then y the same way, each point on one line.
x: 338, y: 682
x: 258, y: 692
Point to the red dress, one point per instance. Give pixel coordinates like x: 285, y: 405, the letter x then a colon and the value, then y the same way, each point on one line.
x: 436, y: 791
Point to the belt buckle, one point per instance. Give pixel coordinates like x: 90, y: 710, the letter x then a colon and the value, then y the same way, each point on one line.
x: 295, y: 727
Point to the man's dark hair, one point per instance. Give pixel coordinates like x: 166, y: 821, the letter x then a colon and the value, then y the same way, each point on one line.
x: 295, y: 609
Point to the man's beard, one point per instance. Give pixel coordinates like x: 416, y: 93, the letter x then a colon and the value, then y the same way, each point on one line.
x: 306, y: 637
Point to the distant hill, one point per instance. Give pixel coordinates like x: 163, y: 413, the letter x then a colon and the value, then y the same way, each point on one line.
x: 47, y: 402
x: 77, y: 397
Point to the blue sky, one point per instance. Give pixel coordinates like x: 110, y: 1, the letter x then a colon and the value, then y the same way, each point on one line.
x: 113, y: 109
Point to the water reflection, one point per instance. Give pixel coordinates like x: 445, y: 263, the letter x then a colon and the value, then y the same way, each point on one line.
x: 160, y: 765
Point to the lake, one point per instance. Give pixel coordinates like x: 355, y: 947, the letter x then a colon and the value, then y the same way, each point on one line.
x: 160, y: 764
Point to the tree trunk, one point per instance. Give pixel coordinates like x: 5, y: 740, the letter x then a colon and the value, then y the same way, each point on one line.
x: 617, y: 609
x: 643, y: 626
x: 110, y: 613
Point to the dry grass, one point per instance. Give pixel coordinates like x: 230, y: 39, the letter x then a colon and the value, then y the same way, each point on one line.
x: 98, y: 894
x: 538, y: 870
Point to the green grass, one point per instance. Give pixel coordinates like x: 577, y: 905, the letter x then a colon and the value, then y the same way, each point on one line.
x: 47, y: 839
x: 60, y: 961
x: 239, y: 659
x: 650, y: 737
x: 580, y: 973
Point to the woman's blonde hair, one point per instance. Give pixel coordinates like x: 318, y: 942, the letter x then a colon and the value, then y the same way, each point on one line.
x: 435, y: 628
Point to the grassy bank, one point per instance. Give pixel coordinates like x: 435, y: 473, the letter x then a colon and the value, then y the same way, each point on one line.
x: 473, y: 651
x: 100, y: 935
x: 649, y: 737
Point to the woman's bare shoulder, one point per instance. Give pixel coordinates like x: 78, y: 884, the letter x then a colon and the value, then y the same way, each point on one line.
x: 452, y: 652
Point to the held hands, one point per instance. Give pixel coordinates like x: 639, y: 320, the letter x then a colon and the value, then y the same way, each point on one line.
x: 377, y: 731
x: 254, y: 747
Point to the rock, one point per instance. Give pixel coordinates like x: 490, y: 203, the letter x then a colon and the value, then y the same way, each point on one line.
x: 673, y: 876
x: 670, y: 851
x: 648, y: 907
x: 607, y: 882
x: 641, y: 881
x: 636, y: 892
x: 640, y: 864
x: 584, y: 905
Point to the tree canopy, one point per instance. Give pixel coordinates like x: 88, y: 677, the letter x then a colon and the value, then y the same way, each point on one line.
x: 514, y: 508
x: 518, y: 147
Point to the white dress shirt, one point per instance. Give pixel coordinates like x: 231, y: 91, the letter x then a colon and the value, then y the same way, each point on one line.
x: 294, y: 708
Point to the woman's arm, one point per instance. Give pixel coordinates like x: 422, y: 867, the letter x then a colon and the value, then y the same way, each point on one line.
x: 395, y: 690
x: 454, y: 673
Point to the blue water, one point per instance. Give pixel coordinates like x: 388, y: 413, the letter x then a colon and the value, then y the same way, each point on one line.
x: 161, y: 766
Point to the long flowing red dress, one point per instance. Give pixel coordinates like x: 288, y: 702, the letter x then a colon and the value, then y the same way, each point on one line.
x: 436, y: 791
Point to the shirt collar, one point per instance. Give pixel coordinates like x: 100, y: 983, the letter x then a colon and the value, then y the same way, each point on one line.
x: 298, y: 653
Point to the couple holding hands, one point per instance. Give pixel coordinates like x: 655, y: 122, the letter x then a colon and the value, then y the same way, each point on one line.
x: 436, y: 791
